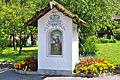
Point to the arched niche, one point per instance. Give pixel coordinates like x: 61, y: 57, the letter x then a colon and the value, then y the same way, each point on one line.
x: 55, y: 42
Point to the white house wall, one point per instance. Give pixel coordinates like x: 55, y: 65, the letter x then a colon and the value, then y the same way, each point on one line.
x: 75, y: 46
x: 63, y: 62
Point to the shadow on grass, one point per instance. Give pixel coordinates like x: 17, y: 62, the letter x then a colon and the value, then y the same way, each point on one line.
x: 31, y: 52
x: 13, y: 56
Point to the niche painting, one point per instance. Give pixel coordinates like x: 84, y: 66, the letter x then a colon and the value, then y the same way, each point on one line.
x: 56, y: 42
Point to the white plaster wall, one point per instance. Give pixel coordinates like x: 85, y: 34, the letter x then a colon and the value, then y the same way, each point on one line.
x: 75, y: 46
x: 63, y: 62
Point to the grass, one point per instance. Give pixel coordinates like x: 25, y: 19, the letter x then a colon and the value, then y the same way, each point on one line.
x: 10, y: 55
x: 110, y: 52
x: 107, y: 51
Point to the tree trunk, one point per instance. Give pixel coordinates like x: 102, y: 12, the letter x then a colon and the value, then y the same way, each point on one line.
x: 10, y: 41
x: 32, y: 40
x: 25, y: 40
x: 20, y: 50
x: 14, y: 43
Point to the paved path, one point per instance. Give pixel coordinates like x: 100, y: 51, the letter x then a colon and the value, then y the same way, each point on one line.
x: 11, y: 75
x: 114, y: 77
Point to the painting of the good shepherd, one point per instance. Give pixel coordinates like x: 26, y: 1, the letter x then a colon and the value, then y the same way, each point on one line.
x: 56, y: 42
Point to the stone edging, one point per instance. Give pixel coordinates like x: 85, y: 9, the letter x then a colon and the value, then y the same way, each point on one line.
x: 46, y: 72
x: 72, y: 75
x: 117, y: 70
x: 37, y: 73
x: 26, y: 72
x: 6, y: 65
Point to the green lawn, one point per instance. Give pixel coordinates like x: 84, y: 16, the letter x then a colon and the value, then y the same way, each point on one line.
x: 110, y: 52
x: 12, y: 56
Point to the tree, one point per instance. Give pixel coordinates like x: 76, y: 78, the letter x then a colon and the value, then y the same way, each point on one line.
x: 13, y: 17
x: 4, y: 41
x: 96, y: 13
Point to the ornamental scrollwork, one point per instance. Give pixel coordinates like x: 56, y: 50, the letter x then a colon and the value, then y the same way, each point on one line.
x: 54, y: 21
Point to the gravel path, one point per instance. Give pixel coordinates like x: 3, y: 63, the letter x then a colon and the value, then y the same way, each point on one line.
x: 11, y: 75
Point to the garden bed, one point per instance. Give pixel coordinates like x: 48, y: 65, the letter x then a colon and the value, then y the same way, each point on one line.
x: 93, y: 67
x: 89, y: 67
x: 9, y: 65
x: 28, y: 64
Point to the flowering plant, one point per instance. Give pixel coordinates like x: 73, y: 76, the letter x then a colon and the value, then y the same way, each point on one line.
x: 28, y: 64
x: 94, y: 67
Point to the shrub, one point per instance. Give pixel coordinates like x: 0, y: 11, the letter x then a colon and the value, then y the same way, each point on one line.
x: 94, y: 67
x: 90, y: 45
x: 105, y: 36
x: 28, y: 64
x: 103, y: 40
x: 112, y: 41
x: 4, y: 41
x: 116, y: 33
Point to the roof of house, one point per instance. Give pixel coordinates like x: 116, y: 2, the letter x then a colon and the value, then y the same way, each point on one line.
x: 51, y: 5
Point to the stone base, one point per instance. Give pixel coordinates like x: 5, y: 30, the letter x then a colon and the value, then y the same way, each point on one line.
x: 54, y: 72
x: 26, y: 72
x: 47, y: 72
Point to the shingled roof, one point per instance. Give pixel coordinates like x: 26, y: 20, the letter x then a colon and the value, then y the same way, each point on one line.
x: 51, y: 5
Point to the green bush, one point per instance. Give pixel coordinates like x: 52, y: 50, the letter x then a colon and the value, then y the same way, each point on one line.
x: 103, y: 40
x: 90, y: 45
x: 4, y: 41
x: 116, y: 33
x: 112, y: 41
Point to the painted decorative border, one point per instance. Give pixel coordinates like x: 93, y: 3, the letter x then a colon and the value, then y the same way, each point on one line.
x: 47, y: 43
